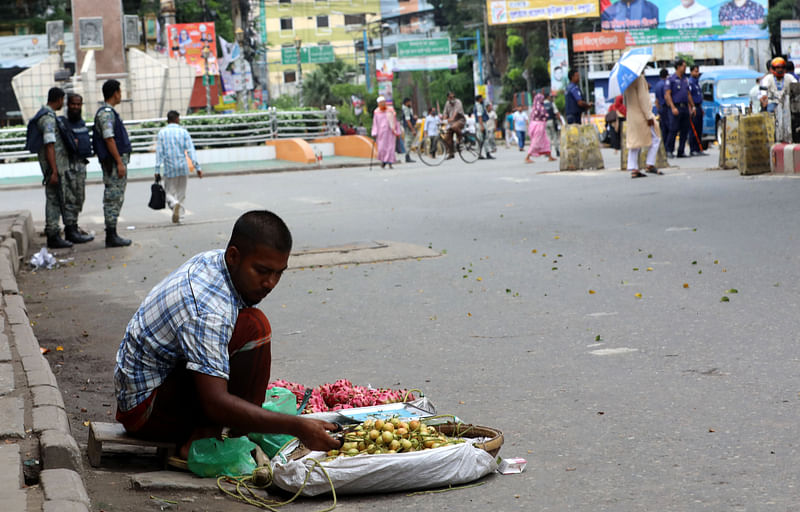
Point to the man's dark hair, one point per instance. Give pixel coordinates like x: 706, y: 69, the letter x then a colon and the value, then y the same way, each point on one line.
x: 261, y: 227
x: 110, y: 88
x: 679, y: 62
x: 450, y: 93
x: 478, y: 97
x: 663, y: 73
x: 55, y: 94
x: 406, y: 100
x: 72, y: 95
x: 694, y: 67
x: 571, y: 73
x: 173, y: 116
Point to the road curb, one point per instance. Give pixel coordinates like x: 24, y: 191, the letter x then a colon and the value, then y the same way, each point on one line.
x: 61, y: 458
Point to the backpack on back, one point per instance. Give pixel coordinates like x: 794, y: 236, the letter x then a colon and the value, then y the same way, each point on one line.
x: 34, y: 138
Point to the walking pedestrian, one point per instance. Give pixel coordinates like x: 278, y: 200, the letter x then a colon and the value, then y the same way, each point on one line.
x: 520, y: 126
x: 54, y: 162
x: 113, y: 149
x: 410, y: 128
x: 540, y: 144
x: 491, y: 128
x: 174, y: 145
x: 642, y: 130
x: 695, y: 149
x: 681, y: 109
x: 510, y: 135
x: 432, y: 123
x: 662, y: 109
x: 777, y: 86
x: 385, y: 129
x: 75, y: 186
x: 575, y: 105
x: 554, y: 122
x: 481, y: 118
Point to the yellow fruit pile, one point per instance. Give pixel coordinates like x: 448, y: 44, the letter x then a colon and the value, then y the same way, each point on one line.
x: 391, y: 436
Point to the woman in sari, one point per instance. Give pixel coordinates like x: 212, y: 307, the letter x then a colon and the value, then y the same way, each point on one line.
x: 540, y: 144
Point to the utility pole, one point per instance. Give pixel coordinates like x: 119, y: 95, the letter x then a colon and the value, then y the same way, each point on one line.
x: 298, y: 43
x: 489, y: 90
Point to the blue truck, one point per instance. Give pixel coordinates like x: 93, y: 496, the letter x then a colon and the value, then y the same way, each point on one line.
x: 725, y: 91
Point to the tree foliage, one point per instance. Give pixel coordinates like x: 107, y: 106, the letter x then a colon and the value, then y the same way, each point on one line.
x: 317, y: 85
x: 782, y: 10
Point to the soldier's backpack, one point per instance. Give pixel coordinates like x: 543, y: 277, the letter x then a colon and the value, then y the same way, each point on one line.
x: 34, y: 138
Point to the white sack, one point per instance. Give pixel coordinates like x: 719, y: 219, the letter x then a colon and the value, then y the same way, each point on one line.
x: 386, y: 472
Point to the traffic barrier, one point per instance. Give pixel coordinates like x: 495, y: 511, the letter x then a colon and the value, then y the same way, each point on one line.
x: 661, y: 158
x: 730, y: 142
x: 785, y: 158
x: 580, y: 148
x: 754, y: 146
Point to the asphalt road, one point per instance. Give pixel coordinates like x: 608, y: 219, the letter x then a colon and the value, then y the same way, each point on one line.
x: 580, y: 313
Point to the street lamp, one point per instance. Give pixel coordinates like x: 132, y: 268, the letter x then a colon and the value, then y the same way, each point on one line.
x: 298, y: 43
x: 205, y: 54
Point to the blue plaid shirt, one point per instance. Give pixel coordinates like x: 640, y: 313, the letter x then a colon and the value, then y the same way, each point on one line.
x: 173, y: 143
x: 186, y: 320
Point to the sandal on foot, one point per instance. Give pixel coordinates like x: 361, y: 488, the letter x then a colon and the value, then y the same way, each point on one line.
x: 638, y: 174
x: 653, y: 170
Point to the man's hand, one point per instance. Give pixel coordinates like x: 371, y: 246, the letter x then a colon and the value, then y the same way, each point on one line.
x: 674, y: 110
x: 157, y: 176
x: 314, y: 435
x: 53, y: 180
x: 651, y: 122
x: 199, y: 173
x: 121, y: 169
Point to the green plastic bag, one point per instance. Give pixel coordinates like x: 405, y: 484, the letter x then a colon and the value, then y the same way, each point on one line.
x: 279, y: 400
x: 213, y: 457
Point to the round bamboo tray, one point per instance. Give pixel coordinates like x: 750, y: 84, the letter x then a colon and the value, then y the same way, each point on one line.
x: 494, y: 437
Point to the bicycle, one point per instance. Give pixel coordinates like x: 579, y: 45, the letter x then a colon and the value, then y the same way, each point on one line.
x: 433, y: 151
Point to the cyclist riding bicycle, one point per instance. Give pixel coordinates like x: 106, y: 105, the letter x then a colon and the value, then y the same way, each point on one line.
x: 454, y: 115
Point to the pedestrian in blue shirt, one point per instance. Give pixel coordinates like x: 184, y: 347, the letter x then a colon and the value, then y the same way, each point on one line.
x: 627, y: 14
x: 575, y: 104
x: 697, y: 119
x: 681, y: 109
x: 661, y: 107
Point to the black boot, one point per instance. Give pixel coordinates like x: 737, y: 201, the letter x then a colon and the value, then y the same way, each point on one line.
x: 114, y: 240
x: 56, y: 242
x: 73, y: 234
x: 408, y: 159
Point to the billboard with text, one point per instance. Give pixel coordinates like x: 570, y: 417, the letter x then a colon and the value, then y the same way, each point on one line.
x: 501, y: 12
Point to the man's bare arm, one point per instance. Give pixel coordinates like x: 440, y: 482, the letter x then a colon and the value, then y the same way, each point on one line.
x: 111, y: 144
x: 50, y: 156
x: 226, y: 409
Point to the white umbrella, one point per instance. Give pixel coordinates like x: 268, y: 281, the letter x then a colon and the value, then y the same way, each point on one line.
x: 628, y: 68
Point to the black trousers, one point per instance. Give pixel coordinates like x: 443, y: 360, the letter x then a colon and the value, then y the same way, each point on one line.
x: 678, y: 126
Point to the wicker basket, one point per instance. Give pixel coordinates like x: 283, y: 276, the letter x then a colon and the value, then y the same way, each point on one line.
x: 467, y: 431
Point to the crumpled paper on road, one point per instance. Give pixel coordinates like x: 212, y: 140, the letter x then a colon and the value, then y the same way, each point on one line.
x: 43, y: 259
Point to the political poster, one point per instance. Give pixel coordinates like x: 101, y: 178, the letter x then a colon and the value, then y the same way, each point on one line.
x: 733, y: 19
x: 501, y: 12
x: 559, y: 64
x: 187, y: 40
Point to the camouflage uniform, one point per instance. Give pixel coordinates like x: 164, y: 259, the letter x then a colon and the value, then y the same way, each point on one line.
x: 75, y: 188
x: 54, y: 194
x: 114, y: 193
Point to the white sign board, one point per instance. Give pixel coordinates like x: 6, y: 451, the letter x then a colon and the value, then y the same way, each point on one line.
x: 429, y: 62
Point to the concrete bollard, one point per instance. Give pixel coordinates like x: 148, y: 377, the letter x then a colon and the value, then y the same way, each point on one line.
x: 580, y: 148
x: 785, y: 158
x: 730, y: 142
x: 661, y: 158
x: 754, y: 147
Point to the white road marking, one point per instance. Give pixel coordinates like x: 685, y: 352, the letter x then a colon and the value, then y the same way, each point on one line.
x: 680, y: 229
x: 244, y: 206
x: 515, y: 180
x: 613, y: 351
x: 602, y: 313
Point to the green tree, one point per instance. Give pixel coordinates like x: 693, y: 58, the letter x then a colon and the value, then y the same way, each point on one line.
x: 782, y: 10
x: 317, y: 84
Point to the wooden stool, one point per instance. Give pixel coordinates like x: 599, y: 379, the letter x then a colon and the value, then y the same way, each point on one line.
x: 115, y: 433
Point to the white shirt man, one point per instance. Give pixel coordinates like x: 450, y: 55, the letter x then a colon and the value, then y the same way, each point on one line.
x: 689, y: 14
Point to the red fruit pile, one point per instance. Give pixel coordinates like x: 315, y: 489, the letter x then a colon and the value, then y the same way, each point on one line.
x: 342, y: 394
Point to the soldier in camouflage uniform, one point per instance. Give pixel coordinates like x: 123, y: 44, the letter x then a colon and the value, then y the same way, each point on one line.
x: 54, y: 162
x: 113, y: 148
x: 75, y: 186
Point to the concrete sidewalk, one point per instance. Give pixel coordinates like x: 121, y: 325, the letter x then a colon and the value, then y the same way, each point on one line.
x: 40, y: 461
x: 214, y: 169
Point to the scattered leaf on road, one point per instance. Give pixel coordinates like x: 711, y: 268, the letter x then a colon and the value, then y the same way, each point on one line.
x: 649, y: 269
x: 732, y: 290
x: 638, y: 295
x: 59, y: 348
x: 724, y: 299
x: 592, y: 292
x: 685, y: 285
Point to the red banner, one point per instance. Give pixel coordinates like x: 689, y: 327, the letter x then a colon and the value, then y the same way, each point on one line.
x: 598, y: 41
x: 187, y: 40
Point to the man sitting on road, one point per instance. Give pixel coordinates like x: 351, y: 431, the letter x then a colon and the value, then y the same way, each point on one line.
x: 454, y: 115
x: 196, y: 355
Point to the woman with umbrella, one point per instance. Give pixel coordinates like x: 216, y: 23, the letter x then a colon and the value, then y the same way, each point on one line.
x: 540, y: 144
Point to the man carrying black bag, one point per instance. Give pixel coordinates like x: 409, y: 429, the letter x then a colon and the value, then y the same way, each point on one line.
x: 158, y: 196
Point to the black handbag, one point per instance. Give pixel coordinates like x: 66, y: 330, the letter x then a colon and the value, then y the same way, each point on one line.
x: 158, y: 197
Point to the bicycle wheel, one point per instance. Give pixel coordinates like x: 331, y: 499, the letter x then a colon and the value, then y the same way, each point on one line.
x: 469, y: 150
x: 432, y: 151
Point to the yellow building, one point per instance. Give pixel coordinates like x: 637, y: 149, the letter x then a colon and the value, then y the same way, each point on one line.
x: 335, y: 23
